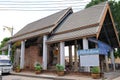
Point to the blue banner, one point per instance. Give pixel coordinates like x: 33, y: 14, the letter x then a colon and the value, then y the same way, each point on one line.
x: 92, y: 51
x: 88, y: 51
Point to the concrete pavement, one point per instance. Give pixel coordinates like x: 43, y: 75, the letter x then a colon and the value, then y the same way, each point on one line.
x: 53, y: 76
x: 112, y: 75
x: 118, y: 78
x: 14, y: 77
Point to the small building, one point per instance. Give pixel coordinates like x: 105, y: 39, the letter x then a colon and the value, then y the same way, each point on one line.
x: 44, y: 40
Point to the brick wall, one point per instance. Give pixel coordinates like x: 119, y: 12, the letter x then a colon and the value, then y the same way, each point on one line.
x: 32, y: 56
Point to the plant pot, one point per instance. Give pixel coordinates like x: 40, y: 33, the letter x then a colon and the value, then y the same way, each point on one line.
x: 38, y: 72
x: 17, y: 70
x: 95, y: 75
x: 60, y: 73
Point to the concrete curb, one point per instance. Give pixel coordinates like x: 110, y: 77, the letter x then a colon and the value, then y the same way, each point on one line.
x: 45, y: 77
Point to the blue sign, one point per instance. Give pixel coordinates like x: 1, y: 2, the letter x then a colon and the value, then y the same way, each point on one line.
x: 92, y: 51
x: 88, y: 51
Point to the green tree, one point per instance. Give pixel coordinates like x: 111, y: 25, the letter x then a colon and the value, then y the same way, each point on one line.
x: 3, y: 42
x: 115, y: 9
x: 94, y: 2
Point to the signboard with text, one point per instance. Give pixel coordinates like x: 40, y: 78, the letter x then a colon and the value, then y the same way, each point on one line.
x: 89, y: 60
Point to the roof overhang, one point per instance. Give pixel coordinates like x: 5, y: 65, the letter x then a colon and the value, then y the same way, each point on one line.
x: 110, y: 31
x: 77, y: 34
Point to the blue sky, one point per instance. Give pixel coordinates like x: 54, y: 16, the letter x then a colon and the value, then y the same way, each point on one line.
x: 13, y: 12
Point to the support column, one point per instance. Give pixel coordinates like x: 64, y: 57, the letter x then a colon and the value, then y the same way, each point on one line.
x: 9, y: 50
x: 112, y: 60
x: 44, y: 52
x: 70, y: 55
x: 75, y: 57
x: 106, y: 60
x: 85, y: 46
x: 62, y: 55
x: 22, y: 54
x: 85, y: 43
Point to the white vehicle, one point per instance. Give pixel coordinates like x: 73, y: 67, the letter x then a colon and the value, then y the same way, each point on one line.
x: 5, y: 64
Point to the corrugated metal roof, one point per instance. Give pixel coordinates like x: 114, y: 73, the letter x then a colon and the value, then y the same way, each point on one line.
x: 30, y: 35
x: 82, y: 18
x: 45, y: 25
x: 42, y: 23
x: 74, y: 34
x: 80, y: 24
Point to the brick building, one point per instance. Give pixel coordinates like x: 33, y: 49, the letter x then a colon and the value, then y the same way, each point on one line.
x: 44, y: 40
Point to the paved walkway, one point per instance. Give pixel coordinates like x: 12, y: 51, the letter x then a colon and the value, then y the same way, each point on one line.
x: 53, y: 76
x: 112, y: 75
x: 118, y: 78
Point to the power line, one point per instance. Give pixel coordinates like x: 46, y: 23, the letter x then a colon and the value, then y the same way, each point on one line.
x: 39, y: 1
x: 35, y: 9
x: 36, y: 3
x: 39, y: 5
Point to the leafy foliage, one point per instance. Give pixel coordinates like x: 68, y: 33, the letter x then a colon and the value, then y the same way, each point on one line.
x: 3, y: 43
x: 95, y: 69
x: 18, y: 67
x: 38, y: 67
x: 60, y: 67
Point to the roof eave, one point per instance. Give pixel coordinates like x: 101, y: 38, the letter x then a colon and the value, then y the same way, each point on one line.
x: 80, y: 37
x: 101, y: 20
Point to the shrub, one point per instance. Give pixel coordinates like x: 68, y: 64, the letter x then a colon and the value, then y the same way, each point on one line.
x: 95, y: 69
x: 18, y: 67
x: 38, y: 67
x: 60, y: 67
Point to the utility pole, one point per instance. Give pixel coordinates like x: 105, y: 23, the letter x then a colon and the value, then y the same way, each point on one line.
x: 10, y: 29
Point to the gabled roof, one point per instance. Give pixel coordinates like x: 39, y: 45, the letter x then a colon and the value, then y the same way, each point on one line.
x: 82, y: 21
x: 85, y: 23
x: 42, y: 26
x: 83, y: 18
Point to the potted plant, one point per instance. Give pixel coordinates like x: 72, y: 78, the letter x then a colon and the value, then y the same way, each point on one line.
x: 18, y: 68
x: 38, y: 68
x: 60, y: 69
x: 95, y: 72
